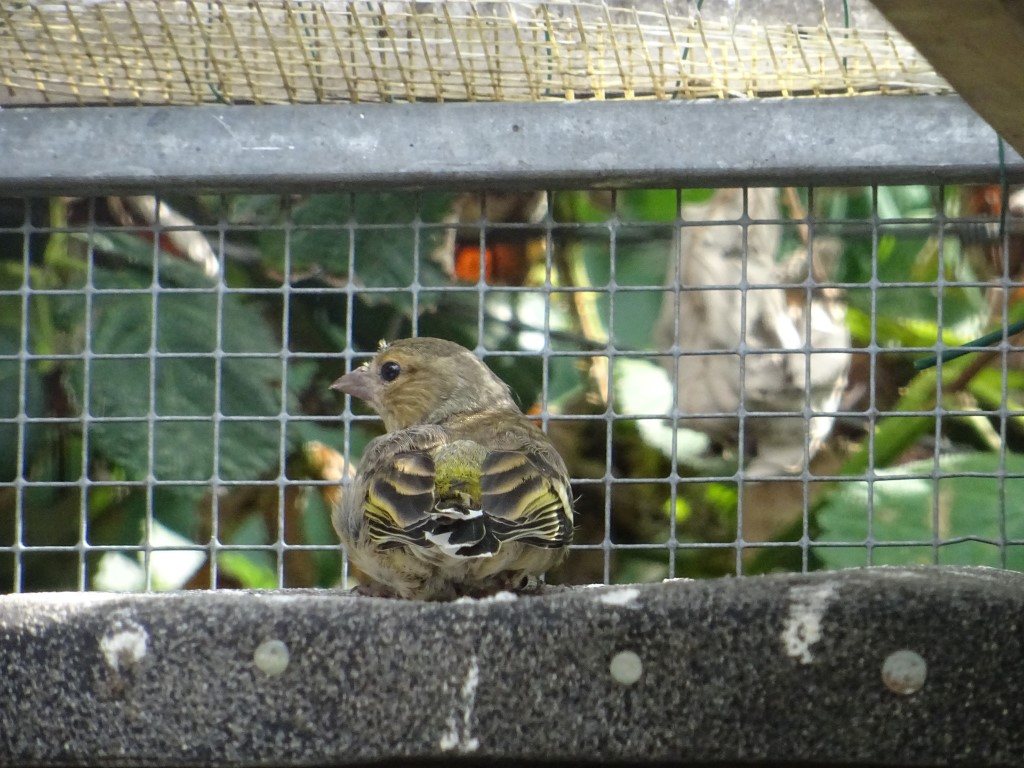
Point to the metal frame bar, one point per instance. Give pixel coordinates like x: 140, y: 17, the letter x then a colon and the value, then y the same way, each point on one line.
x: 833, y: 141
x: 980, y: 66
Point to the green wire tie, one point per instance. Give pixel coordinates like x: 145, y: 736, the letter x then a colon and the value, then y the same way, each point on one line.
x: 966, y: 349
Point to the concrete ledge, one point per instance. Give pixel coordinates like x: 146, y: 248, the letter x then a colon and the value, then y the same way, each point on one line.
x: 768, y: 670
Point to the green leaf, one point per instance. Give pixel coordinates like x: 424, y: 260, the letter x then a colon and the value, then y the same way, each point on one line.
x: 902, y: 256
x: 180, y: 392
x: 634, y: 312
x: 376, y: 226
x: 899, y: 429
x: 124, y: 245
x: 256, y: 209
x: 988, y: 387
x: 10, y: 404
x: 898, y: 332
x: 896, y: 432
x: 254, y: 569
x: 648, y: 204
x: 317, y: 529
x: 251, y: 569
x: 956, y: 520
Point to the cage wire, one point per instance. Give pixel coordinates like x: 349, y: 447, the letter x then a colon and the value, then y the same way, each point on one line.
x: 728, y: 374
x: 238, y: 51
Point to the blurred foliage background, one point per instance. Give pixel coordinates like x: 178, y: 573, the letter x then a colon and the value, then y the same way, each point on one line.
x: 212, y: 446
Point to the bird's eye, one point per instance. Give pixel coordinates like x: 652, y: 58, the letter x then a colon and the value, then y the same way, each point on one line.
x: 390, y: 370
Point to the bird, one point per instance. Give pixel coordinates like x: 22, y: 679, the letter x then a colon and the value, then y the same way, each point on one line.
x: 776, y: 330
x: 463, y: 496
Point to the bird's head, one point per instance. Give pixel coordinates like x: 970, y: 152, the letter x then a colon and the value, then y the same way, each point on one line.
x: 424, y: 381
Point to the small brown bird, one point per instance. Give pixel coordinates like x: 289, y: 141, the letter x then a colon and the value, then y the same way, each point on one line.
x: 464, y: 495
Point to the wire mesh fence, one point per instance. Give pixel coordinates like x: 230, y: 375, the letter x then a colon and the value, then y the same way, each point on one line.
x: 314, y: 52
x: 729, y: 374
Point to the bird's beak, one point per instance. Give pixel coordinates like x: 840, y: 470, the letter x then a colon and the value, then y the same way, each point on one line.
x: 358, y: 383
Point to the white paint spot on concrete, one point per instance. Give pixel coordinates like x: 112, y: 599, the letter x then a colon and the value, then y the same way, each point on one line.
x: 460, y: 736
x: 501, y: 597
x: 982, y: 572
x: 619, y: 596
x: 626, y: 667
x: 497, y: 597
x: 271, y: 657
x: 898, y: 572
x: 125, y: 645
x: 904, y: 672
x: 802, y: 628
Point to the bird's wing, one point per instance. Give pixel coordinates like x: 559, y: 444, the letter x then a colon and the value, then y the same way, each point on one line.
x: 509, y: 485
x: 525, y: 497
x: 395, y: 491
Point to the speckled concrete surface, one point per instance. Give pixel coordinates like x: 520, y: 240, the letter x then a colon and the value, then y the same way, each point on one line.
x: 776, y: 669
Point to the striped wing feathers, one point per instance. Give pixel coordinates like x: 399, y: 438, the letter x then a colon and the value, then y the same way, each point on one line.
x: 526, y: 499
x: 466, y: 501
